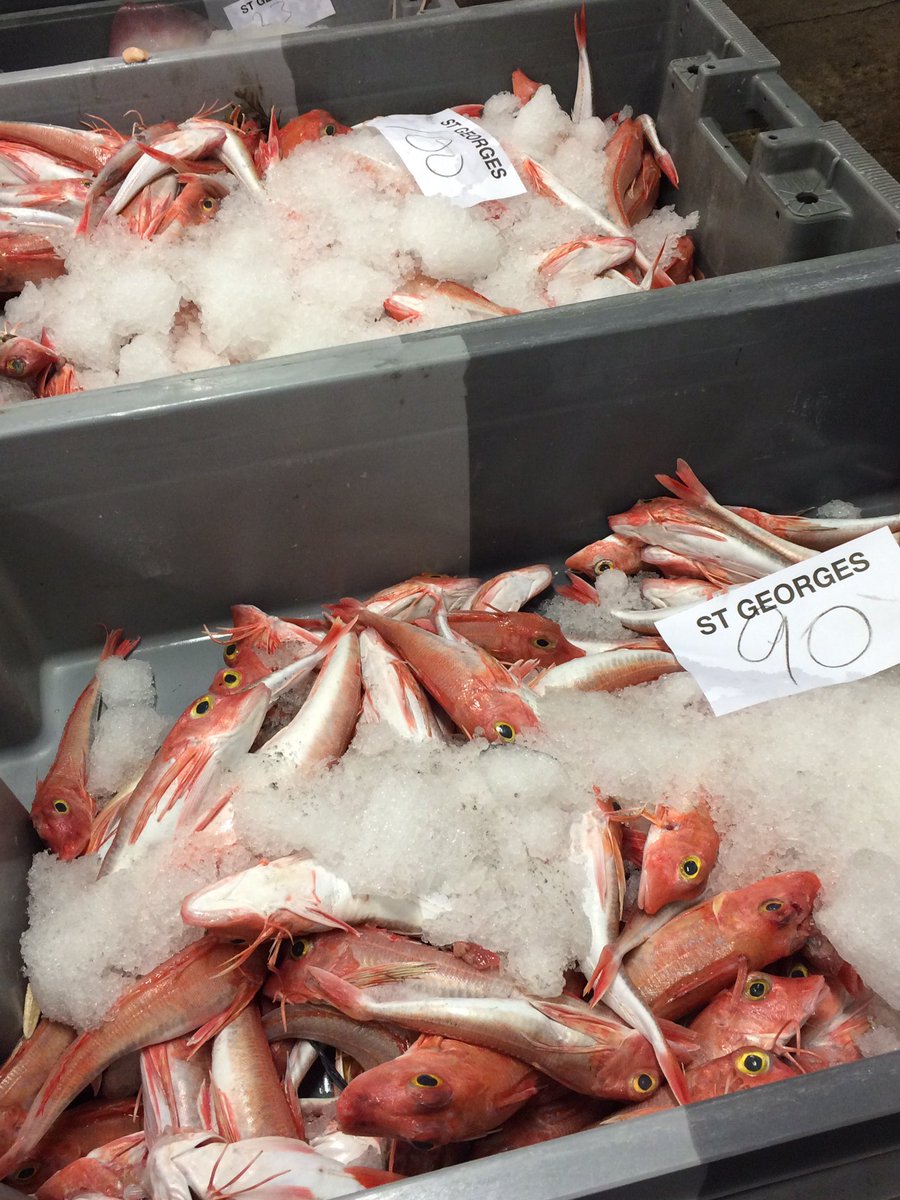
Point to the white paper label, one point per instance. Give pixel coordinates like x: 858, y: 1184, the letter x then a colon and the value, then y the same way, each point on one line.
x: 830, y: 619
x: 449, y: 155
x: 244, y: 14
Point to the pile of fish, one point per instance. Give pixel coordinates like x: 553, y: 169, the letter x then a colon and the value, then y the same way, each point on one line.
x: 62, y: 188
x: 436, y: 1054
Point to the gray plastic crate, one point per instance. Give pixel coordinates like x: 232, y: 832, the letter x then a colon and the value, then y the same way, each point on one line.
x: 452, y: 453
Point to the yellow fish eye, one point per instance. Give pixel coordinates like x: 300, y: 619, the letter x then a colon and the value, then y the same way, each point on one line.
x: 426, y: 1081
x: 207, y: 204
x: 644, y: 1083
x: 543, y: 643
x: 60, y: 806
x: 16, y: 366
x: 202, y: 706
x: 799, y: 971
x: 231, y: 679
x: 771, y: 906
x: 601, y: 565
x: 231, y: 652
x: 330, y: 130
x: 752, y: 1062
x: 757, y: 987
x: 689, y: 868
x: 505, y: 731
x: 300, y: 947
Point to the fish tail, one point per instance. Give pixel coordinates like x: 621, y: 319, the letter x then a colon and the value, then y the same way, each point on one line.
x: 686, y: 486
x: 344, y: 996
x: 117, y: 646
x: 581, y: 29
x: 603, y: 974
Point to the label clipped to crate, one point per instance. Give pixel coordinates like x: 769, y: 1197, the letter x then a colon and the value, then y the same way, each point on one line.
x: 296, y: 14
x: 449, y: 155
x: 830, y: 619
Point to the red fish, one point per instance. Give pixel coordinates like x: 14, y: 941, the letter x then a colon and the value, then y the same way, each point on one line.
x: 63, y: 808
x: 439, y: 1091
x: 695, y: 955
x: 523, y: 87
x: 478, y: 694
x: 761, y: 1010
x: 612, y: 553
x: 309, y: 127
x: 679, y: 855
x: 515, y: 636
x: 25, y: 1072
x: 78, y: 1131
x: 22, y: 358
x: 197, y: 202
x: 554, y: 1112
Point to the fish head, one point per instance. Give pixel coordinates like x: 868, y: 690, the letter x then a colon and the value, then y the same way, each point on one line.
x: 613, y: 553
x: 679, y: 855
x: 290, y: 979
x: 411, y: 1097
x: 198, y: 202
x: 62, y: 813
x: 24, y: 358
x: 771, y: 916
x: 629, y: 1072
x: 309, y: 127
x: 748, y: 1067
x: 781, y: 1001
x: 246, y: 669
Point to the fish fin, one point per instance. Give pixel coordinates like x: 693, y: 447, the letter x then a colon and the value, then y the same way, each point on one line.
x: 604, y: 973
x: 388, y: 973
x: 518, y: 1094
x: 684, y: 1042
x: 686, y: 486
x: 208, y: 1031
x: 183, y: 771
x: 226, y: 1122
x: 633, y: 843
x: 711, y: 535
x: 117, y: 646
x: 205, y: 1105
x: 740, y: 979
x: 370, y: 1177
x: 716, y: 975
x: 586, y: 1022
x: 344, y: 996
x: 579, y: 590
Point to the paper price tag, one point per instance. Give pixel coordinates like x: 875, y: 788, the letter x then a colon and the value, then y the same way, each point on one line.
x: 244, y: 14
x: 449, y: 155
x: 830, y: 619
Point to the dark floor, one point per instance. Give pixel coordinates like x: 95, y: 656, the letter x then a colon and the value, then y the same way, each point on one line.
x: 843, y: 57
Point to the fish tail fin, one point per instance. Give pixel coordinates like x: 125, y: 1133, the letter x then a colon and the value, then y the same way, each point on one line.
x: 344, y: 996
x: 579, y: 590
x: 686, y: 486
x: 117, y: 646
x: 540, y: 179
x: 672, y: 1070
x: 581, y: 29
x: 603, y: 974
x: 345, y: 608
x: 683, y: 1042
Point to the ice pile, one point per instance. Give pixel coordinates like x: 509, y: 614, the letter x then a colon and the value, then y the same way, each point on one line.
x: 339, y: 227
x: 129, y: 728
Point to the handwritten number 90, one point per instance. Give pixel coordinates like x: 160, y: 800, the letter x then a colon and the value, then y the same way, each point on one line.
x: 782, y: 638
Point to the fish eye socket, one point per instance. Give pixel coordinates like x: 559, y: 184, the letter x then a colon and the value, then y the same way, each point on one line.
x: 644, y: 1083
x: 771, y: 906
x: 543, y: 643
x: 231, y: 679
x: 798, y: 971
x: 207, y: 204
x: 330, y: 130
x: 202, y: 706
x: 601, y: 565
x: 300, y: 947
x: 24, y: 1173
x: 757, y: 988
x: 753, y: 1062
x: 60, y: 806
x: 426, y: 1081
x: 17, y: 366
x: 505, y: 731
x: 231, y: 652
x: 690, y: 867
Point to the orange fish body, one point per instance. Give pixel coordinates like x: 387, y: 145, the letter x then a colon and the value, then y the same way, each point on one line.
x: 63, y: 809
x: 309, y: 127
x: 767, y: 1011
x: 679, y: 854
x: 441, y: 1090
x: 77, y: 1132
x: 685, y: 962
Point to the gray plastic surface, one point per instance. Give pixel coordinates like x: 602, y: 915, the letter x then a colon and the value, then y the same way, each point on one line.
x: 17, y: 846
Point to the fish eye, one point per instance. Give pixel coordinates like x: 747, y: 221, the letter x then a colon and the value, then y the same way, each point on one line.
x: 771, y: 906
x: 543, y: 643
x: 426, y: 1081
x: 689, y: 868
x: 644, y: 1083
x: 231, y: 652
x: 231, y: 679
x: 24, y: 1173
x: 799, y: 971
x: 60, y: 806
x: 300, y: 947
x: 207, y: 204
x: 202, y: 706
x: 601, y: 565
x: 757, y: 988
x: 330, y: 130
x: 17, y: 366
x: 505, y: 731
x: 752, y: 1062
